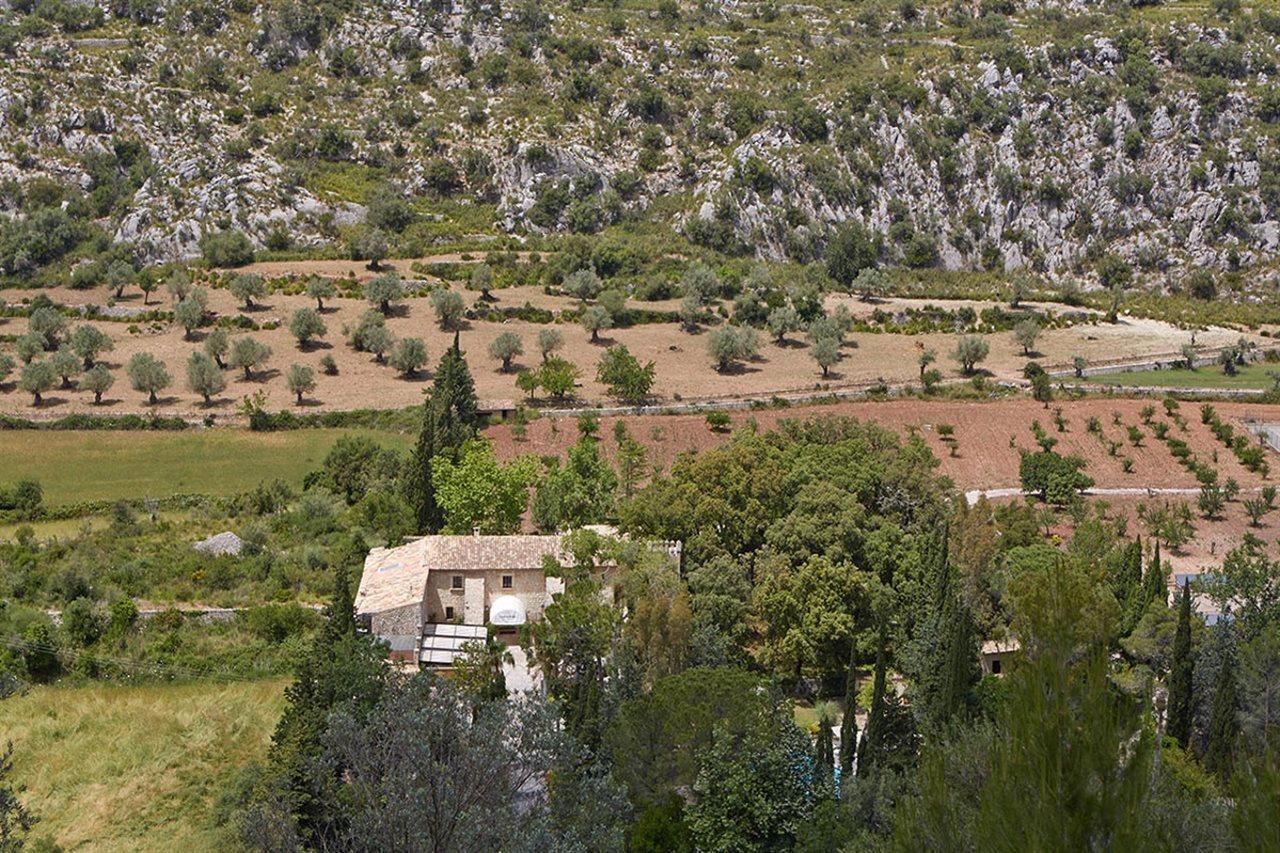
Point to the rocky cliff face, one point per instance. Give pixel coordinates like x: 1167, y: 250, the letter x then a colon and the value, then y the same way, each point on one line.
x: 961, y: 141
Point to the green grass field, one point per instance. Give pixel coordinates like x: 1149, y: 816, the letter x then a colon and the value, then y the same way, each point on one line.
x: 1248, y: 376
x: 104, y: 465
x: 136, y: 767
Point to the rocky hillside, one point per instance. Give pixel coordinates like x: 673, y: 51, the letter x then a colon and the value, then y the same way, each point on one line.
x: 1064, y: 138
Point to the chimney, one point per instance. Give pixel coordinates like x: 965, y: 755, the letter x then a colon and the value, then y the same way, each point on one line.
x: 475, y: 530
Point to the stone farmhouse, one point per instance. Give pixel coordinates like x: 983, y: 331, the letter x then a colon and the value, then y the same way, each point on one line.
x: 430, y: 596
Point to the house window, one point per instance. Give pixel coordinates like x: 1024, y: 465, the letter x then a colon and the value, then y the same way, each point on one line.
x: 448, y: 614
x: 506, y: 581
x: 995, y: 666
x: 456, y: 583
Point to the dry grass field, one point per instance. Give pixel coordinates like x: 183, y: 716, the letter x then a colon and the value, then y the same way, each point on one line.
x: 137, y: 768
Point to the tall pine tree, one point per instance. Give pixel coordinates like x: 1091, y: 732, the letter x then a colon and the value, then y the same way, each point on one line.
x: 449, y: 418
x: 1181, y: 704
x: 1224, y: 722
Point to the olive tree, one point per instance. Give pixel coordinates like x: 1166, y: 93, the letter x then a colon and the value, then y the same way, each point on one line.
x: 29, y: 346
x: 729, y: 345
x: 969, y: 351
x: 1025, y: 333
x: 481, y: 280
x: 782, y: 321
x: 37, y: 377
x: 320, y: 288
x: 189, y: 313
x: 248, y: 353
x: 89, y: 342
x: 204, y: 377
x: 408, y: 355
x: 595, y: 318
x: 97, y: 380
x: 66, y: 364
x: 383, y: 291
x: 216, y: 346
x: 48, y: 322
x: 306, y: 326
x: 448, y: 306
x: 583, y: 284
x: 246, y: 287
x: 178, y: 284
x: 148, y: 374
x: 549, y: 340
x: 301, y: 380
x: 505, y: 347
x: 826, y: 352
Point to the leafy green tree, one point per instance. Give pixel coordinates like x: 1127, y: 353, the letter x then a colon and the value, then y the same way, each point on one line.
x: 178, y: 283
x: 570, y: 645
x: 476, y: 490
x: 624, y: 375
x: 577, y: 493
x: 248, y: 287
x: 226, y: 249
x: 969, y: 351
x: 851, y: 250
x: 1181, y: 701
x: 301, y: 380
x: 383, y: 291
x: 89, y: 342
x: 811, y: 612
x: 148, y: 374
x: 370, y: 245
x: 557, y: 376
x: 1056, y: 479
x: 750, y: 794
x: 408, y: 355
x: 505, y: 347
x: 248, y: 353
x: 320, y: 288
x: 305, y: 325
x: 204, y: 377
x: 98, y: 381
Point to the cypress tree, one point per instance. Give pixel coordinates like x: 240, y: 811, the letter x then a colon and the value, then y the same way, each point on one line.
x: 1224, y: 724
x: 824, y: 751
x: 1181, y: 706
x: 449, y: 418
x: 961, y: 669
x: 1154, y: 584
x: 849, y: 724
x: 869, y: 755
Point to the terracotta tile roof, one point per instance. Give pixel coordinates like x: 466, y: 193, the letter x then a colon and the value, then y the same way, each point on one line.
x: 396, y: 577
